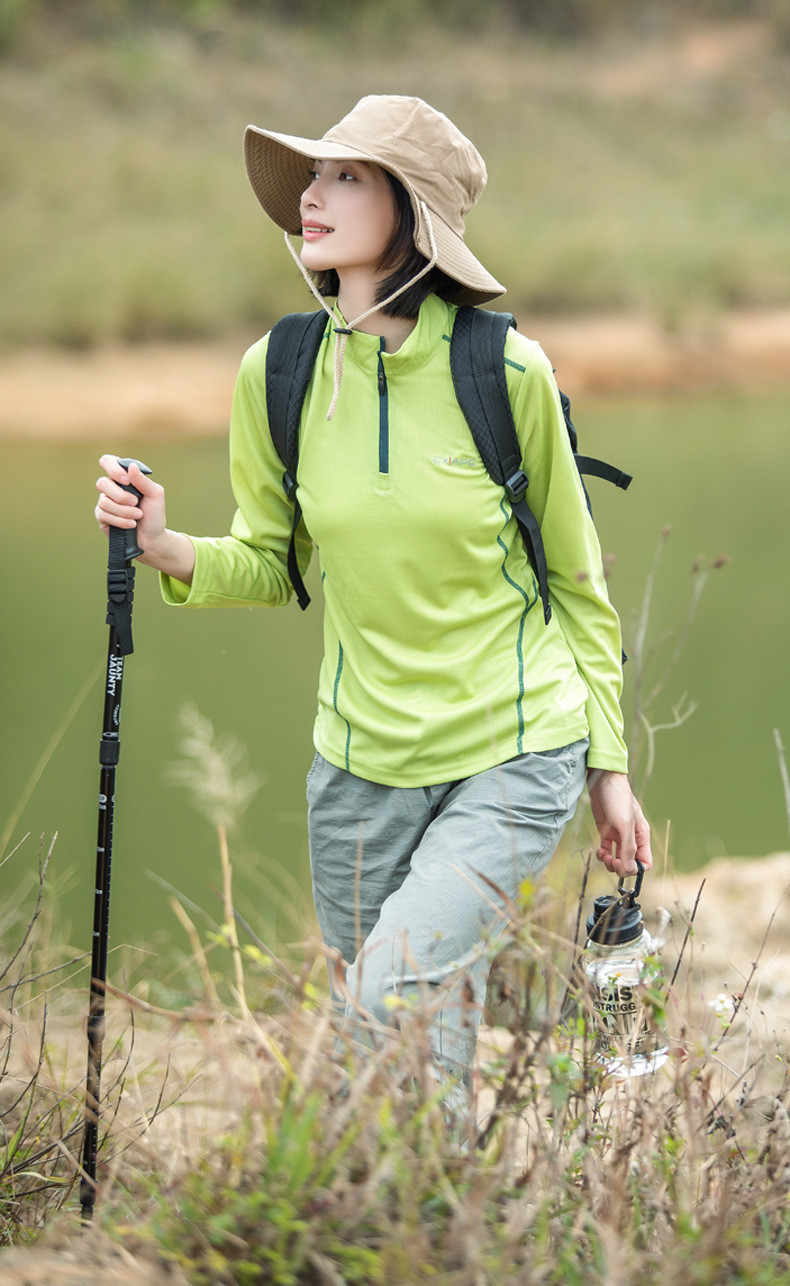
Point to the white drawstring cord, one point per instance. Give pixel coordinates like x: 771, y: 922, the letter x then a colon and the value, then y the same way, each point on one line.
x: 342, y: 332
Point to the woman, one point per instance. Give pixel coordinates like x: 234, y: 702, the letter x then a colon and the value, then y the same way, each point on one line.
x: 455, y: 727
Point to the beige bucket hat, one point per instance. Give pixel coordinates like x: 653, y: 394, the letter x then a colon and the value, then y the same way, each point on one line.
x: 441, y: 170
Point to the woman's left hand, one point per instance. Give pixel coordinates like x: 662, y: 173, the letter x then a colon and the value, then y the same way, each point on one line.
x: 622, y: 826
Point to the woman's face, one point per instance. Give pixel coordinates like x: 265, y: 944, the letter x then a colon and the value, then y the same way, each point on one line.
x: 348, y: 217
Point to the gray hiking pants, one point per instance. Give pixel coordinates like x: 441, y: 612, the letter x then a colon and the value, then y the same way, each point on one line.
x: 401, y: 885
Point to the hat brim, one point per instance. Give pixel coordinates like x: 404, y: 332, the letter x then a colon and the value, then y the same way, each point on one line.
x: 278, y: 167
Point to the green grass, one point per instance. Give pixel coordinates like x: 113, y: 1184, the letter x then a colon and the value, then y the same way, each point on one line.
x: 127, y: 214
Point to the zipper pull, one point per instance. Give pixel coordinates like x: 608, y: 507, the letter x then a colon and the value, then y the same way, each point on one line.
x: 382, y: 379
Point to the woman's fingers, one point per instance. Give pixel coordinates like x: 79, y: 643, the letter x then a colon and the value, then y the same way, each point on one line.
x: 116, y: 507
x: 622, y: 827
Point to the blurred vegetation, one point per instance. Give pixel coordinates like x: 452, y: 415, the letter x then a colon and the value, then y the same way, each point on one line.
x: 566, y: 19
x: 637, y: 154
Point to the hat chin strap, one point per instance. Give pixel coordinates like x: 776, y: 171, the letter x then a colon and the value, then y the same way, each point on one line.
x: 343, y: 332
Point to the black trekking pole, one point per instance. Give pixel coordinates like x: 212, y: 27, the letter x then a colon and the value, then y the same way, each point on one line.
x: 120, y: 594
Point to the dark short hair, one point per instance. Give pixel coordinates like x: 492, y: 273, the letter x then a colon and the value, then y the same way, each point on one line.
x: 401, y: 261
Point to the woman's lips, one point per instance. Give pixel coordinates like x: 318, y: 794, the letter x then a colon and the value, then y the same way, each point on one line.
x: 314, y: 231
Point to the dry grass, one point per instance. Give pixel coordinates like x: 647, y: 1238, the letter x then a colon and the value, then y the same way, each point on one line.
x: 243, y: 1143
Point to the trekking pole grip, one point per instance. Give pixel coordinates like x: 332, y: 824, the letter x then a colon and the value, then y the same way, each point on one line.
x: 132, y: 549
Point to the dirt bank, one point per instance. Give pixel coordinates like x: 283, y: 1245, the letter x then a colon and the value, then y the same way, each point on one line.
x: 187, y: 388
x: 741, y: 934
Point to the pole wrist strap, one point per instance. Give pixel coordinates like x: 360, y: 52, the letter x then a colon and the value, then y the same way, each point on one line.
x: 120, y: 591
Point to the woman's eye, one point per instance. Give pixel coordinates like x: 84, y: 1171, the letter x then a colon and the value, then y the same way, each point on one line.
x: 345, y: 175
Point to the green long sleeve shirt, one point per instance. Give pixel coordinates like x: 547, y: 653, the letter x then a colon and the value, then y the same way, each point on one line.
x: 437, y: 661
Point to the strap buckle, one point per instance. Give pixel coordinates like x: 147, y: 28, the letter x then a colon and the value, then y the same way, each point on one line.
x: 516, y: 485
x: 289, y: 485
x: 120, y: 581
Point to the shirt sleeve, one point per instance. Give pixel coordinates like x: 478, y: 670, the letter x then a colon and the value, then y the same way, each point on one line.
x: 249, y: 566
x: 577, y: 586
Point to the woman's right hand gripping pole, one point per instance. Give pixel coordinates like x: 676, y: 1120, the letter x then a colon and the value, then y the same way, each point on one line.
x: 168, y: 551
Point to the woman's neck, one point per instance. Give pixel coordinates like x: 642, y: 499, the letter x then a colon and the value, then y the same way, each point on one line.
x: 355, y: 298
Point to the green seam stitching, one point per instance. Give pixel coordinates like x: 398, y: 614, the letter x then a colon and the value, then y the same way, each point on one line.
x: 528, y: 605
x: 508, y: 360
x: 338, y: 673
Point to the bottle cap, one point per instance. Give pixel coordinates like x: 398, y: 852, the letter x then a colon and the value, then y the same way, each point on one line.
x: 614, y: 920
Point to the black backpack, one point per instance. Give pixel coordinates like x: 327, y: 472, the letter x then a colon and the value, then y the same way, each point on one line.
x: 477, y: 364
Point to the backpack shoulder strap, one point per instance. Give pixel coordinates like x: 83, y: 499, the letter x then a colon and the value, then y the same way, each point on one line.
x: 477, y: 364
x: 290, y: 357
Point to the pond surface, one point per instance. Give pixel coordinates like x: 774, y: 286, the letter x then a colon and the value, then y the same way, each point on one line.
x: 713, y: 468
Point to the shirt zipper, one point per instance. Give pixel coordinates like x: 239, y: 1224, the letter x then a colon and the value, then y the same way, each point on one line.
x: 384, y: 423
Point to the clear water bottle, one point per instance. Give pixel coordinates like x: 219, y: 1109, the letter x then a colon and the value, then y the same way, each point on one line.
x: 618, y: 972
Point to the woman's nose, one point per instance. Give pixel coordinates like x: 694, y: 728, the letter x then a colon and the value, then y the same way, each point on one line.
x: 311, y: 194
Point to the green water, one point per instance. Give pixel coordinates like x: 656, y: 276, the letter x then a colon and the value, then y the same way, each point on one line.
x: 714, y: 468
